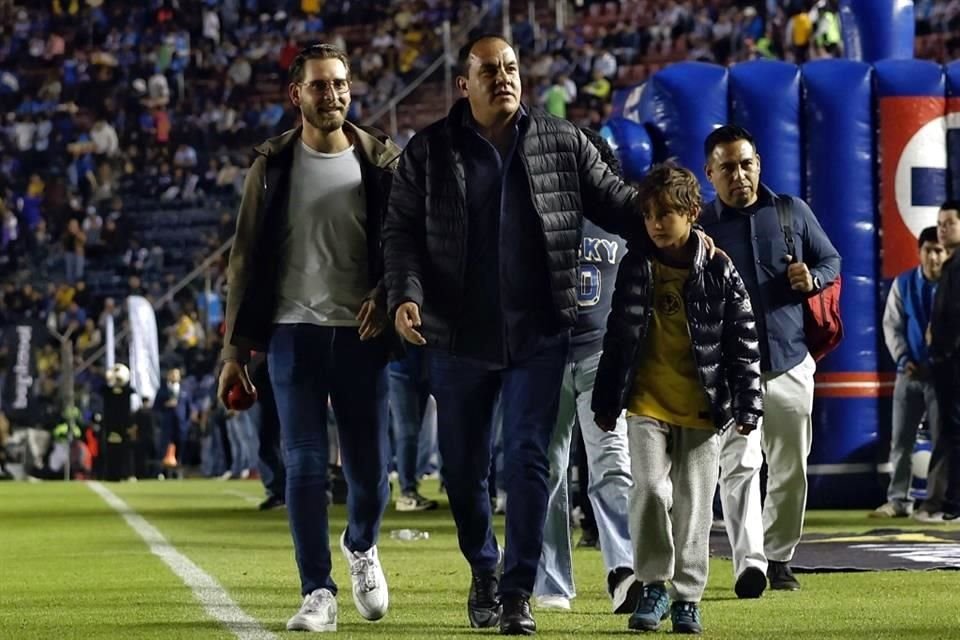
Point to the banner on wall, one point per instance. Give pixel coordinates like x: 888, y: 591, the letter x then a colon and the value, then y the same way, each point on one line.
x: 914, y: 180
x: 19, y: 343
x: 144, y: 350
x: 953, y: 128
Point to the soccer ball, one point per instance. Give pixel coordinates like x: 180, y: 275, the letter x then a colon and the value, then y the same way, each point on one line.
x: 118, y: 376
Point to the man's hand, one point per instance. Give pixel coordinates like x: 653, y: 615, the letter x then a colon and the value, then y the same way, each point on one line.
x: 606, y: 423
x: 799, y: 275
x: 745, y: 429
x: 708, y: 243
x: 230, y: 374
x: 373, y: 319
x: 407, y: 322
x: 910, y: 369
x: 928, y: 335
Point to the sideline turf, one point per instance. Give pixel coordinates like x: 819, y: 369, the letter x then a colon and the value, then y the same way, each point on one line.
x: 71, y: 568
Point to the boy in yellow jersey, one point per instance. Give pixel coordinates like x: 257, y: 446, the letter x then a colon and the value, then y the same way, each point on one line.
x: 681, y: 356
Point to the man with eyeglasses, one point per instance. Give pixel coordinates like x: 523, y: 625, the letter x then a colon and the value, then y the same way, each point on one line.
x: 305, y: 286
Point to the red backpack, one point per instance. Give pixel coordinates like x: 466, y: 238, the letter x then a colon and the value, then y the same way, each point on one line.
x: 822, y: 324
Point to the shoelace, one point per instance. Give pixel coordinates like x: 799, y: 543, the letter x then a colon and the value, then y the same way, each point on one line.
x: 687, y: 613
x: 520, y: 606
x: 650, y: 598
x: 364, y: 568
x: 314, y: 603
x: 486, y: 596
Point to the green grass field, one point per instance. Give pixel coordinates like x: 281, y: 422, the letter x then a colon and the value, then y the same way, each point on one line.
x: 70, y: 567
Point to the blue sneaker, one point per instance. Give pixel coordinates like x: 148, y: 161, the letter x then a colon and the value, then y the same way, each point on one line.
x: 685, y: 617
x: 654, y: 607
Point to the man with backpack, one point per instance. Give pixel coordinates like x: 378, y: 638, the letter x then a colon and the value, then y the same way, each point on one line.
x: 785, y: 258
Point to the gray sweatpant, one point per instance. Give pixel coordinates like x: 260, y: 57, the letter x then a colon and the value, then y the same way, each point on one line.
x: 671, y: 508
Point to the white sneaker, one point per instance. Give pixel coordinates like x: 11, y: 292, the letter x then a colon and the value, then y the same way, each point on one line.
x: 890, y: 510
x: 553, y: 602
x: 317, y: 613
x: 369, y: 584
x: 928, y: 518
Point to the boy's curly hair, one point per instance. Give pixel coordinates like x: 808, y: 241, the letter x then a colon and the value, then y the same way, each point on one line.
x: 669, y: 187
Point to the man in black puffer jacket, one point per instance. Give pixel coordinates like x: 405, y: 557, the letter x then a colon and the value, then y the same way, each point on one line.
x: 480, y: 251
x: 681, y: 356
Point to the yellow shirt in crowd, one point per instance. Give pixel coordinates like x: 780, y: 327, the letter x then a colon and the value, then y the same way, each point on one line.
x: 667, y: 385
x: 802, y: 30
x: 310, y: 6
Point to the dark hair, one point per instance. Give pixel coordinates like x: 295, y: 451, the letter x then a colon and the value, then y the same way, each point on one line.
x: 463, y: 57
x: 927, y: 235
x: 726, y: 134
x: 603, y: 148
x: 319, y: 51
x: 671, y: 187
x: 951, y: 205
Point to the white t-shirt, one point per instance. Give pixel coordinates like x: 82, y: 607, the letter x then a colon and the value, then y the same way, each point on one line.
x: 324, y: 269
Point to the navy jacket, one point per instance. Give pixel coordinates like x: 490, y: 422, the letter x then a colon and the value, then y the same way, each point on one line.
x: 600, y: 254
x: 758, y: 249
x: 507, y: 317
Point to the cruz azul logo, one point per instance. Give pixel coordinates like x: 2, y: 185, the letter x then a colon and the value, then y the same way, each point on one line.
x: 913, y: 173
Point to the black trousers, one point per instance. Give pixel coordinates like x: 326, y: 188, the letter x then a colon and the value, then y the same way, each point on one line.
x: 946, y: 377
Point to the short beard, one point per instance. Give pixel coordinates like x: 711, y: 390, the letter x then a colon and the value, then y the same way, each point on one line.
x: 323, y: 122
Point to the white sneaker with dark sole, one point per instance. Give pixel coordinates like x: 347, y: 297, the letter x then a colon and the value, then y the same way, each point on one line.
x: 413, y: 501
x: 369, y: 584
x: 318, y: 613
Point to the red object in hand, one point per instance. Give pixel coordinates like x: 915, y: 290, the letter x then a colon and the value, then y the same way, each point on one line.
x: 238, y: 399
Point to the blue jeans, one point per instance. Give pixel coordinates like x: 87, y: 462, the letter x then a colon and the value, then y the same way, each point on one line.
x: 408, y: 398
x: 465, y: 393
x: 244, y: 443
x: 272, y: 472
x: 170, y: 430
x: 610, y: 483
x: 308, y: 363
x: 74, y: 266
x: 213, y: 461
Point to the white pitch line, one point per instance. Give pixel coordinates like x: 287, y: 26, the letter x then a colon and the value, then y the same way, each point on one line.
x: 244, y: 496
x: 214, y: 598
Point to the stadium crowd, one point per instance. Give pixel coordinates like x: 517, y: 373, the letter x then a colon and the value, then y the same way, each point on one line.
x: 126, y: 132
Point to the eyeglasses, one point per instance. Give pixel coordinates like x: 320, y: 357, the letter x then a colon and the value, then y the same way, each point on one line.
x: 339, y: 85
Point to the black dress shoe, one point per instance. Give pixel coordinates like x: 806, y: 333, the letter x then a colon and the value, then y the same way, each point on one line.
x: 781, y: 577
x: 516, y: 619
x: 483, y: 607
x: 272, y: 502
x: 750, y: 584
